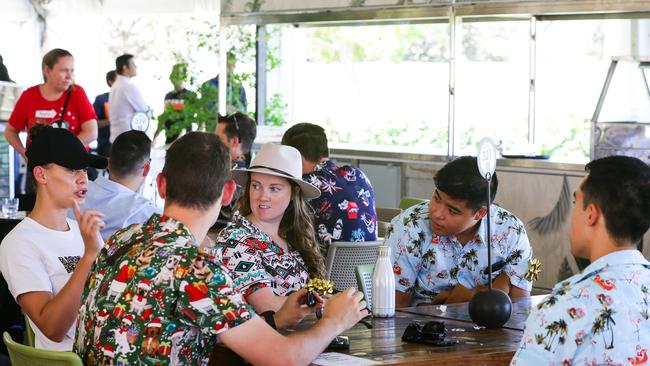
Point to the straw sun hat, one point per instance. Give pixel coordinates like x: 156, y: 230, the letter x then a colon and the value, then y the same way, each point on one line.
x: 279, y: 160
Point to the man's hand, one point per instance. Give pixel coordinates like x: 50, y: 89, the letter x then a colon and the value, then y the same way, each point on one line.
x: 459, y: 293
x: 90, y: 223
x: 345, y: 309
x: 295, y: 309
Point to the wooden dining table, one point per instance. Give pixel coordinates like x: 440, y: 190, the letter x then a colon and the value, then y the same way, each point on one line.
x: 477, y: 345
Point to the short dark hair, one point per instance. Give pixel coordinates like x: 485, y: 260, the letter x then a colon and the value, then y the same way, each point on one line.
x: 111, y: 76
x: 620, y: 187
x: 461, y: 180
x: 52, y: 58
x: 128, y: 153
x: 247, y: 129
x: 309, y: 139
x: 121, y: 62
x: 197, y: 166
x: 33, y: 132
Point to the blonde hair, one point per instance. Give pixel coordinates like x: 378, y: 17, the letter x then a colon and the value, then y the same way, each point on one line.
x: 296, y: 227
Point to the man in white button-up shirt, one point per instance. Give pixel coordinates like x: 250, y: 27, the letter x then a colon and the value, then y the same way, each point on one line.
x: 125, y: 98
x: 117, y: 196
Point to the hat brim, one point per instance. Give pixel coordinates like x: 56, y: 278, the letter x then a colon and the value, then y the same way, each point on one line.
x: 240, y: 176
x: 82, y: 161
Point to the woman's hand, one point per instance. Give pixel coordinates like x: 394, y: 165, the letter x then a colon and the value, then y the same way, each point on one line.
x: 295, y: 309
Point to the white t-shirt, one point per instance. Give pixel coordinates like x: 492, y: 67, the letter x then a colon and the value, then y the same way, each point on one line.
x: 35, y: 258
x: 124, y: 101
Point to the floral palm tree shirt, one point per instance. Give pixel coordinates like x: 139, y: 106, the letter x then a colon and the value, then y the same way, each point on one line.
x: 154, y: 297
x: 426, y: 264
x: 600, y: 316
x: 255, y: 261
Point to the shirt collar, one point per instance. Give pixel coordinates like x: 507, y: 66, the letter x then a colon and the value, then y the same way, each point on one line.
x: 111, y: 185
x: 326, y: 165
x: 240, y: 164
x: 619, y: 257
x: 165, y: 224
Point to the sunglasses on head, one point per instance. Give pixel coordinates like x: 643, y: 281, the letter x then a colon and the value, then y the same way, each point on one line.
x: 233, y: 117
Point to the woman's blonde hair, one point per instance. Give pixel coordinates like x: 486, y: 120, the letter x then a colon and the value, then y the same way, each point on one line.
x: 296, y: 227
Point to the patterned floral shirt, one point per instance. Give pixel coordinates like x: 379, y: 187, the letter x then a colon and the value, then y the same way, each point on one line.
x: 155, y: 298
x: 255, y: 261
x: 426, y: 264
x: 345, y: 210
x: 600, y: 316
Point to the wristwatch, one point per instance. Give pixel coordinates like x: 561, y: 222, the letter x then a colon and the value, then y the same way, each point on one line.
x: 268, y: 317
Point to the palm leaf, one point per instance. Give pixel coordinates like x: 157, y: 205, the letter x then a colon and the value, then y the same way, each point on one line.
x: 554, y: 219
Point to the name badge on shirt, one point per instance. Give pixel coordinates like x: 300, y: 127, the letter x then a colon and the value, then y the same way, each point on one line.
x: 45, y: 114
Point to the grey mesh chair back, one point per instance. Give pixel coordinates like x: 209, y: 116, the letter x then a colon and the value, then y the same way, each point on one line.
x: 343, y: 257
x: 387, y: 213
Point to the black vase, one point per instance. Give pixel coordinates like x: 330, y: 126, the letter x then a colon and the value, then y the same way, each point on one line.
x: 490, y: 309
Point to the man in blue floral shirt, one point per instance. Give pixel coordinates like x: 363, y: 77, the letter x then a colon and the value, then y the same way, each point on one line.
x: 154, y: 297
x: 345, y: 210
x: 439, y: 248
x: 600, y: 316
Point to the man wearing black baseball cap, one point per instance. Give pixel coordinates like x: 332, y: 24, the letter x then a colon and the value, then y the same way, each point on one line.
x: 46, y: 258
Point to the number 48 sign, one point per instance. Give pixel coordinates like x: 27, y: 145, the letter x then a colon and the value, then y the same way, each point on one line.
x: 486, y: 158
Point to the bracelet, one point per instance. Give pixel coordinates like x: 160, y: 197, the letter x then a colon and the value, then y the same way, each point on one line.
x: 269, y: 318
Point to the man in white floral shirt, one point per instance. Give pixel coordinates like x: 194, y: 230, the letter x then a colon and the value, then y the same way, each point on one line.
x: 600, y: 316
x: 439, y: 248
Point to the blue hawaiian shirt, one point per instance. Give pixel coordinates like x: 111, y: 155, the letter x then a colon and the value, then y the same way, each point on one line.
x: 600, y: 316
x: 345, y: 210
x: 426, y: 264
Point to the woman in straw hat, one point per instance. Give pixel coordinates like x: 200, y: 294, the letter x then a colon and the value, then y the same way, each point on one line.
x: 271, y: 248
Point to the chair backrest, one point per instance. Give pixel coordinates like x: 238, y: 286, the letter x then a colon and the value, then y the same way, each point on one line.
x: 343, y: 256
x: 21, y: 355
x: 387, y: 213
x: 29, y: 333
x: 364, y: 281
x: 382, y: 229
x: 407, y: 202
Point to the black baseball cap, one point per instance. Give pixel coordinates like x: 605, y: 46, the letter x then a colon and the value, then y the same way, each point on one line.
x: 61, y: 147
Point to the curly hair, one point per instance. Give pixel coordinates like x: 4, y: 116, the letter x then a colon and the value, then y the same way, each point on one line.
x: 296, y: 227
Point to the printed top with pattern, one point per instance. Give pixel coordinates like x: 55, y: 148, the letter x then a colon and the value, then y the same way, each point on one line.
x: 345, y: 210
x: 154, y: 297
x: 426, y: 264
x: 255, y: 261
x: 600, y: 316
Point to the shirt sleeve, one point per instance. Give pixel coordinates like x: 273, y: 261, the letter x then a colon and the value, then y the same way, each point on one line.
x: 405, y: 264
x: 519, y: 257
x: 244, y: 264
x: 22, y: 267
x: 224, y: 307
x: 18, y: 118
x: 98, y: 106
x: 85, y: 111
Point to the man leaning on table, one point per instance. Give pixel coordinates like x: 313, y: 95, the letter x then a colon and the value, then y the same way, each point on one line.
x: 439, y: 247
x: 600, y: 316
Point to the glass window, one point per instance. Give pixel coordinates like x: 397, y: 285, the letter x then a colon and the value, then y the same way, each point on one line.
x: 573, y: 57
x: 492, y: 86
x: 372, y: 86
